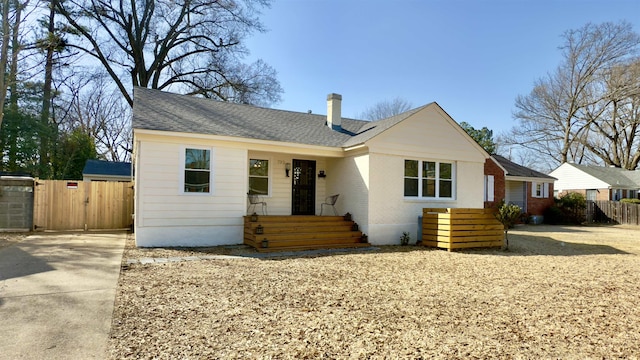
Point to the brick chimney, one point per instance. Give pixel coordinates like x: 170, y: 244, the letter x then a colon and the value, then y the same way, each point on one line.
x: 334, y: 111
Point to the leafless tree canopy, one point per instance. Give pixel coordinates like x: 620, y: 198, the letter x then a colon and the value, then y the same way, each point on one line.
x: 587, y: 109
x: 194, y: 46
x: 386, y: 108
x: 99, y: 110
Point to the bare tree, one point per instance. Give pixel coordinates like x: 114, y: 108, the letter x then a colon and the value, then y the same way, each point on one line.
x: 552, y: 119
x: 12, y: 19
x: 385, y: 108
x: 92, y: 107
x: 614, y: 131
x: 193, y: 45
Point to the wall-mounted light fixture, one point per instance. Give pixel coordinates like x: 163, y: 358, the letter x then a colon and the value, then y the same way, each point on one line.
x: 322, y: 174
x: 287, y: 168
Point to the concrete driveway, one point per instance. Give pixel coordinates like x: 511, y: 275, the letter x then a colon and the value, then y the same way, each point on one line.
x: 56, y: 295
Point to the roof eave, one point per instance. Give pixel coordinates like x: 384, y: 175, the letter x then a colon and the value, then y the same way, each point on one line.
x: 529, y: 178
x: 287, y: 147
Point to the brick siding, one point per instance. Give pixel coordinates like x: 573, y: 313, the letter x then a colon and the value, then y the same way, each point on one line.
x: 491, y: 168
x: 537, y: 206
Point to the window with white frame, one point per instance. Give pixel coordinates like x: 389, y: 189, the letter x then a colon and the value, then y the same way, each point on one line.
x: 539, y: 190
x: 258, y: 177
x: 197, y: 170
x: 429, y: 179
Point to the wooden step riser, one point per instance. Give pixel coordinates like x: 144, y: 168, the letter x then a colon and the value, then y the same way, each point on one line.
x: 296, y: 225
x: 301, y: 233
x: 307, y: 243
x: 293, y: 219
x: 306, y: 236
x: 300, y: 230
x: 312, y: 247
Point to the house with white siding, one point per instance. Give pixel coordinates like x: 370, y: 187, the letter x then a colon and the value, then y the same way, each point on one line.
x: 597, y: 182
x: 197, y: 159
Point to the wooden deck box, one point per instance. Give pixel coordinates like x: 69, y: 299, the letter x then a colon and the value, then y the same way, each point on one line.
x: 451, y: 228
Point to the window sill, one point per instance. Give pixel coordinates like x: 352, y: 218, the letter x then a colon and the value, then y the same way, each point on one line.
x: 423, y: 199
x: 196, y: 193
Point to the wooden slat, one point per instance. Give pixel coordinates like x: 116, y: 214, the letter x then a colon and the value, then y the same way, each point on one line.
x: 294, y: 218
x: 453, y: 228
x: 309, y: 236
x: 85, y: 206
x: 475, y: 233
x: 311, y: 247
x: 497, y: 226
x: 475, y: 245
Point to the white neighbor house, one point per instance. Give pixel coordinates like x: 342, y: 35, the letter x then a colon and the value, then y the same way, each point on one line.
x: 597, y: 182
x: 192, y: 160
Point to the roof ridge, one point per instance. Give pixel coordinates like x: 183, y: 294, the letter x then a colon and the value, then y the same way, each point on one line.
x: 228, y: 103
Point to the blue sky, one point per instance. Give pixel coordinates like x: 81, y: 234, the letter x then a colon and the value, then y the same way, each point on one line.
x: 471, y: 57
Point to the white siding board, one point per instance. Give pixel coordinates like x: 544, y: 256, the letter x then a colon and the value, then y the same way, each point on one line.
x: 188, y: 219
x: 428, y: 133
x: 349, y: 177
x: 189, y: 235
x: 515, y: 193
x: 391, y: 214
x: 571, y: 178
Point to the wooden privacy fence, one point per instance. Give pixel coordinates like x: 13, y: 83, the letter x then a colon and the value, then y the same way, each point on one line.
x: 613, y: 212
x: 452, y: 229
x: 80, y: 205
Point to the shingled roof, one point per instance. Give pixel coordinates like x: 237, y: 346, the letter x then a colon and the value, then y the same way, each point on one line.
x: 158, y: 110
x: 109, y: 168
x: 617, y: 177
x: 513, y: 169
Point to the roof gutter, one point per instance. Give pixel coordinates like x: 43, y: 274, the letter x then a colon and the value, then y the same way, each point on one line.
x: 257, y: 144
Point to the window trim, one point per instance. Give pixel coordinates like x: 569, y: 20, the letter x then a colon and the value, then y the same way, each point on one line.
x: 269, y: 174
x: 543, y: 187
x: 420, y: 179
x: 489, y: 188
x: 183, y: 168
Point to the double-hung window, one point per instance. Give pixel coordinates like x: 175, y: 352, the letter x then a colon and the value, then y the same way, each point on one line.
x: 258, y: 177
x: 197, y: 171
x: 539, y: 190
x: 429, y: 179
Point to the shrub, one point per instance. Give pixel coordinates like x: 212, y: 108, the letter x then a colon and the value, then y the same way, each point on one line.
x: 553, y: 215
x: 572, y: 206
x: 405, y: 238
x: 508, y: 215
x: 631, y: 201
x: 568, y: 209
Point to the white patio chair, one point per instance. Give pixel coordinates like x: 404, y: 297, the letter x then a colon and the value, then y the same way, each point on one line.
x: 330, y: 201
x: 255, y: 200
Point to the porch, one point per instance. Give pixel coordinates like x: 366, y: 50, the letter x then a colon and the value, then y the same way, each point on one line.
x: 267, y: 233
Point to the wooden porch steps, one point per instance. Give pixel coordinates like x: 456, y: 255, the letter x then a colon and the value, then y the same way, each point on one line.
x: 289, y: 233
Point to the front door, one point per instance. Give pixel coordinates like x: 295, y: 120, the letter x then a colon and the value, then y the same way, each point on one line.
x: 304, y: 187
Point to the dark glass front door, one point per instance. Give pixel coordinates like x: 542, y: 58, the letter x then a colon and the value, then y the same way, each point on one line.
x: 304, y: 187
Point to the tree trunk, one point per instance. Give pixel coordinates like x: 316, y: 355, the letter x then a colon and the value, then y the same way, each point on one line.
x: 4, y: 52
x: 46, y: 130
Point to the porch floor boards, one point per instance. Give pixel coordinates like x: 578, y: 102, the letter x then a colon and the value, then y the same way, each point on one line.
x: 300, y: 232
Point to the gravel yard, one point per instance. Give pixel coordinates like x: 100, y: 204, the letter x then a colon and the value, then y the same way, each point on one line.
x: 10, y: 238
x: 559, y: 292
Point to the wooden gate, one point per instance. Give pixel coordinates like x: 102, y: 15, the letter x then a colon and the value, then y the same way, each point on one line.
x: 80, y: 205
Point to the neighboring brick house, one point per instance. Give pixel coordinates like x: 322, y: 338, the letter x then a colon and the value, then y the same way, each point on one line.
x: 597, y: 182
x: 516, y: 184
